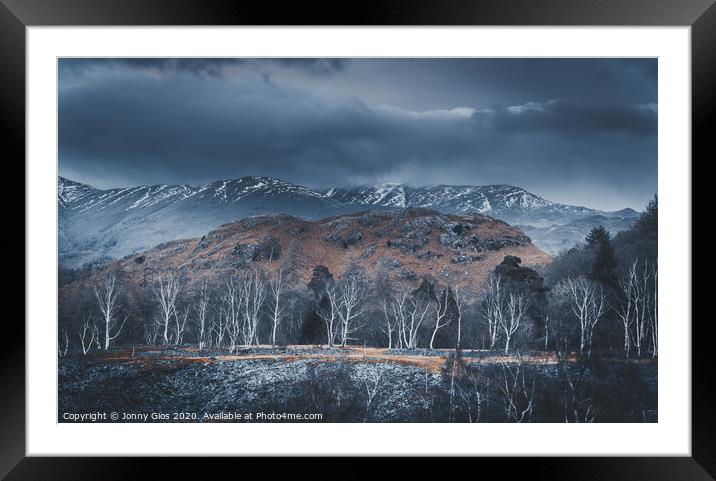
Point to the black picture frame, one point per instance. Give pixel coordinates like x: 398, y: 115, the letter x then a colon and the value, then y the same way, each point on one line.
x: 16, y: 15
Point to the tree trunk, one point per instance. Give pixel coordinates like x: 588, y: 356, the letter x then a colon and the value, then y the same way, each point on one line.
x: 106, y: 335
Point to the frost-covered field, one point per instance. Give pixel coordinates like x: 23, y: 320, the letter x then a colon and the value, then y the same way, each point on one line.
x: 352, y: 385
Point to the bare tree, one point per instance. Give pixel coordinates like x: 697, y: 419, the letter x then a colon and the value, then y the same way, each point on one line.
x: 577, y: 407
x: 64, y: 343
x: 400, y: 314
x: 493, y: 314
x: 372, y: 384
x: 253, y: 292
x: 645, y: 306
x: 277, y: 308
x: 403, y: 314
x: 166, y: 289
x: 518, y: 393
x: 389, y: 321
x: 626, y: 310
x: 441, y: 314
x: 640, y: 308
x: 635, y: 307
x: 474, y: 392
x: 230, y: 313
x: 654, y: 311
x: 202, y: 310
x: 328, y: 312
x: 107, y: 296
x: 460, y: 301
x: 350, y: 296
x: 512, y: 319
x: 546, y: 332
x: 417, y: 309
x: 180, y: 321
x: 88, y: 329
x: 151, y: 331
x: 217, y: 331
x: 587, y: 302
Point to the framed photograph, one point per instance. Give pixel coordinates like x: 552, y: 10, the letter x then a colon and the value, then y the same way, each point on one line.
x: 434, y: 232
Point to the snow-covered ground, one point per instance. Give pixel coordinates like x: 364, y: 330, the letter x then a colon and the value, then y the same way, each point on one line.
x: 405, y: 387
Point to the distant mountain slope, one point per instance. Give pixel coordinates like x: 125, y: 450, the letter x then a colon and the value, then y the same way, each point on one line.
x: 506, y: 202
x: 99, y: 225
x: 550, y: 225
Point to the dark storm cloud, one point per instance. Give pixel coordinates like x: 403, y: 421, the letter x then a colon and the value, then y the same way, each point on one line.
x: 568, y: 118
x: 213, y: 67
x: 423, y: 84
x: 122, y: 126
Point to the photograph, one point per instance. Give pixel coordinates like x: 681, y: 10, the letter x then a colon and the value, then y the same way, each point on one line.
x: 357, y: 240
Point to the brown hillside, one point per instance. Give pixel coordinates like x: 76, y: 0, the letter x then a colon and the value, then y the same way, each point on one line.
x: 405, y: 245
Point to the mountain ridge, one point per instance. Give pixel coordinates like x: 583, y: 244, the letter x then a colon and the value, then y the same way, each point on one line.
x: 98, y: 225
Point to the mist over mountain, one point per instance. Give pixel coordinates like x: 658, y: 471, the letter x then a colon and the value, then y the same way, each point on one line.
x: 98, y: 225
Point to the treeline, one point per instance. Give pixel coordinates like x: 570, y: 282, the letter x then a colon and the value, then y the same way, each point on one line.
x: 599, y: 297
x: 610, y: 285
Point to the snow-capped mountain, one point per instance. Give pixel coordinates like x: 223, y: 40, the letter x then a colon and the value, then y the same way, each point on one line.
x: 551, y: 225
x: 96, y: 225
x: 506, y: 202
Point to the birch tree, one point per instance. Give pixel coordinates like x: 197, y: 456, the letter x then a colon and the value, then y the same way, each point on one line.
x: 460, y: 301
x: 493, y: 314
x: 166, y: 289
x: 218, y: 326
x: 474, y: 391
x: 253, y: 294
x: 626, y: 310
x: 277, y: 308
x: 587, y: 302
x: 230, y: 314
x: 639, y: 307
x: 408, y: 314
x: 372, y: 384
x: 202, y: 310
x: 107, y: 296
x: 88, y: 334
x: 327, y: 311
x: 400, y: 314
x: 389, y: 322
x: 180, y: 324
x: 350, y: 296
x: 151, y: 331
x: 577, y: 408
x: 645, y: 308
x: 518, y: 392
x: 64, y: 343
x: 417, y: 311
x: 546, y: 332
x: 441, y: 314
x: 511, y: 321
x: 654, y: 317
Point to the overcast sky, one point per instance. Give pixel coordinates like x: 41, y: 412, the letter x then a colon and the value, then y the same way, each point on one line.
x: 578, y: 131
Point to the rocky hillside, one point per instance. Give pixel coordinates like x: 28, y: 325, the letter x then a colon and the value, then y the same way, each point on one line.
x: 405, y: 245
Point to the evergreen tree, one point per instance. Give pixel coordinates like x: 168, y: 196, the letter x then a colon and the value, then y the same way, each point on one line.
x: 647, y: 226
x: 312, y: 326
x: 312, y: 331
x: 426, y: 290
x: 598, y: 242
